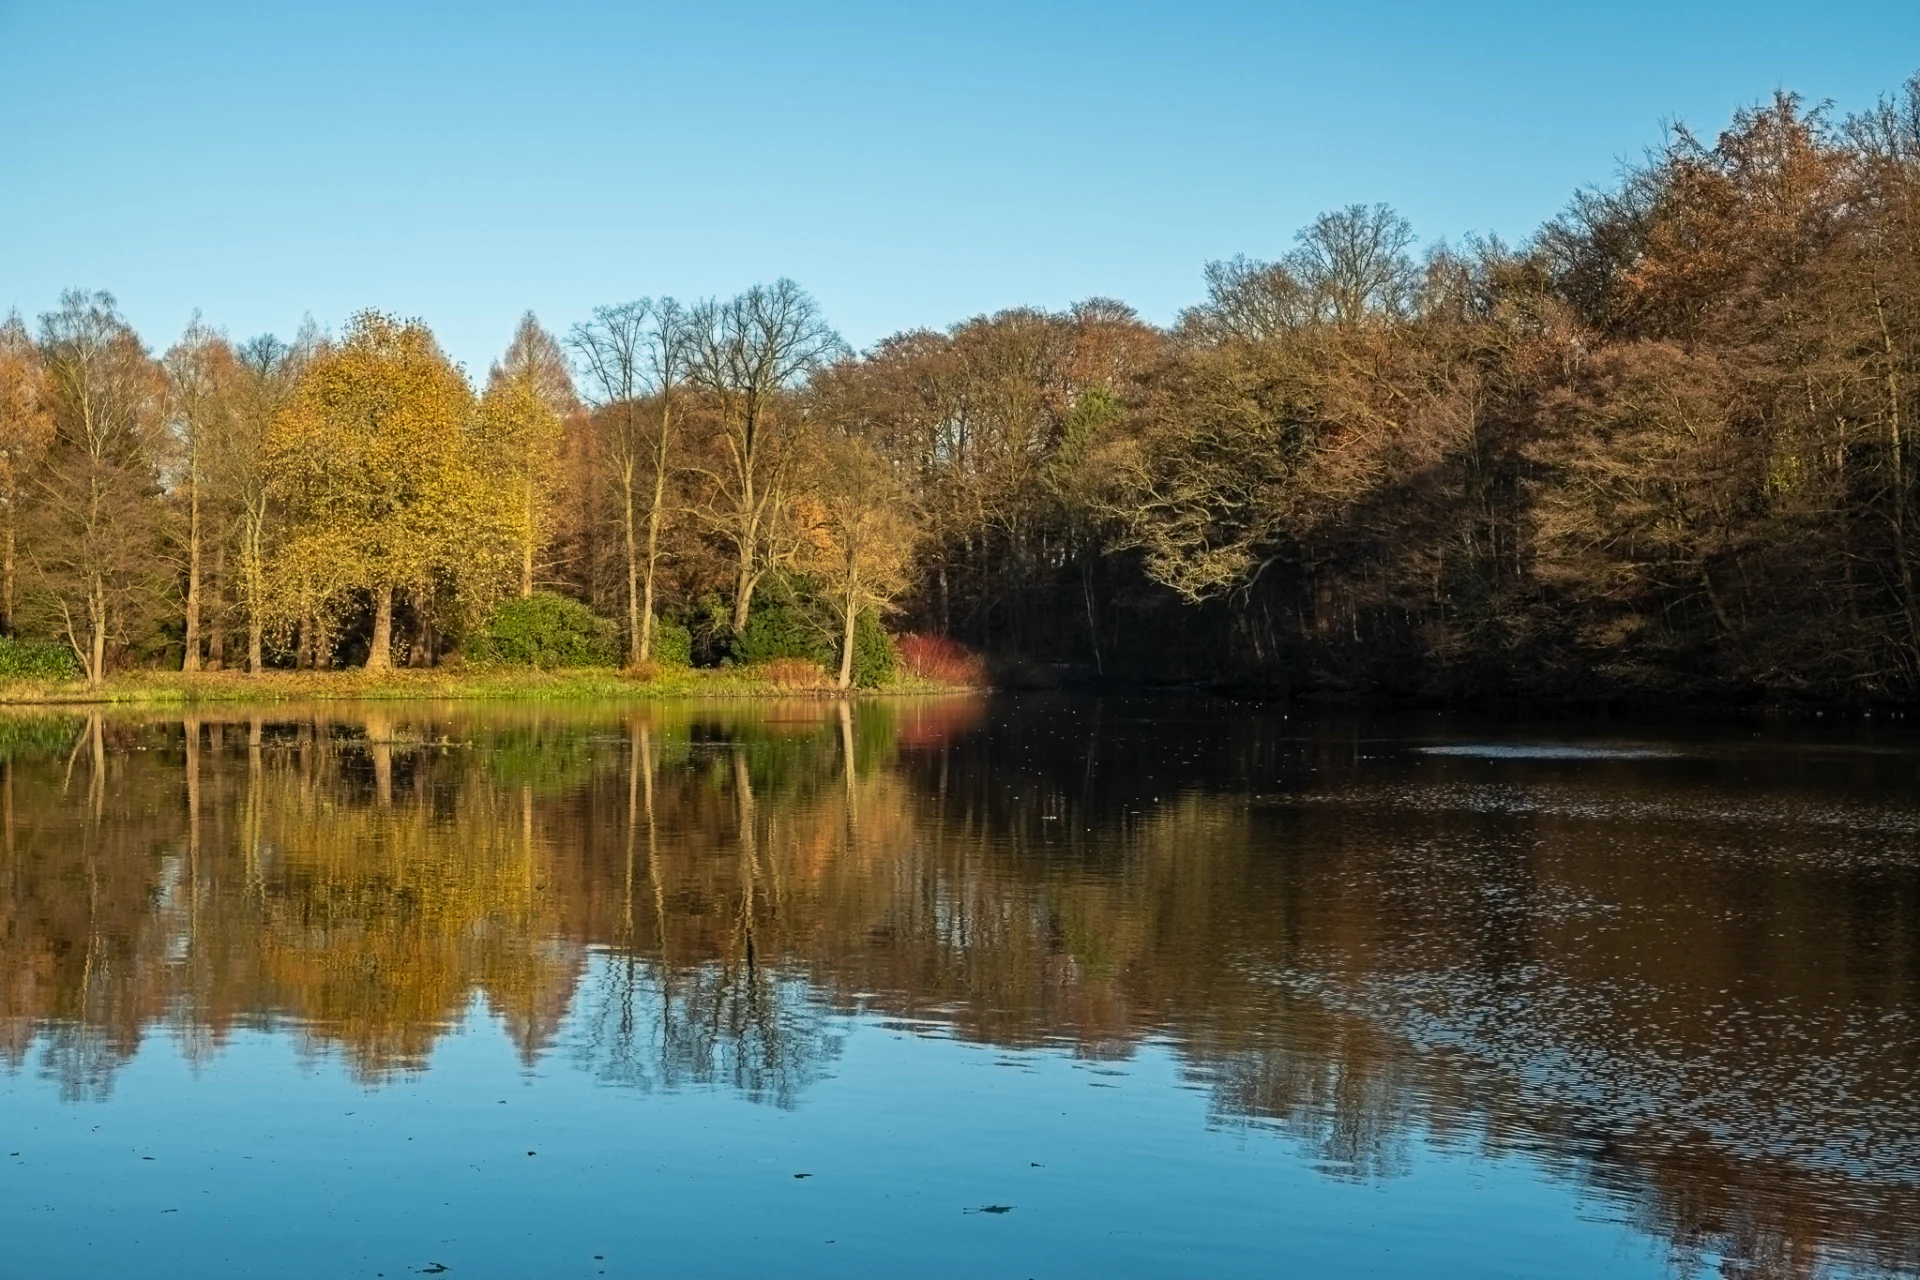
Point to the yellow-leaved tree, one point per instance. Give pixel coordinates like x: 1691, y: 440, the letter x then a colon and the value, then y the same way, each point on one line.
x: 382, y: 464
x: 862, y: 531
x: 529, y: 394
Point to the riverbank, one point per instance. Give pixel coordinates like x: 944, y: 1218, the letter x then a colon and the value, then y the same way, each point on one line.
x: 168, y: 688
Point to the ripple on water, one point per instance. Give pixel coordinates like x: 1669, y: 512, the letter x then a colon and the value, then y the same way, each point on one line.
x: 1546, y: 751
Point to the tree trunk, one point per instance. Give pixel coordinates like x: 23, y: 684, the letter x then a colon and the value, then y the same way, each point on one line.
x: 97, y: 611
x: 6, y: 577
x: 1093, y: 621
x: 946, y: 600
x: 846, y: 641
x: 256, y: 589
x: 526, y: 547
x: 380, y: 651
x: 743, y: 586
x: 653, y: 521
x: 421, y: 654
x: 633, y: 565
x: 217, y: 631
x: 190, y: 661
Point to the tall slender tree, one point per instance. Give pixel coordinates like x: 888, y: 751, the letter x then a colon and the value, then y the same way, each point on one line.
x: 529, y: 395
x: 199, y: 369
x: 267, y: 371
x: 635, y: 358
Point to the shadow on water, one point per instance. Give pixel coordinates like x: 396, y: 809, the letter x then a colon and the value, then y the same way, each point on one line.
x: 1681, y: 971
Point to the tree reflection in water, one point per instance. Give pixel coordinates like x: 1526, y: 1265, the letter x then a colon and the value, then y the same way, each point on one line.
x: 1689, y: 983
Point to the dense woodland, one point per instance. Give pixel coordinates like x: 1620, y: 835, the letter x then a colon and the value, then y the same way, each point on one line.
x: 1663, y: 448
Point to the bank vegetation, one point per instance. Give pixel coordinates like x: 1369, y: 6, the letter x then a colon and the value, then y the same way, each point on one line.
x: 1663, y: 448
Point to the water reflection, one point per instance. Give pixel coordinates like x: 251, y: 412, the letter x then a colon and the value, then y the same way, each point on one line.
x: 1684, y: 974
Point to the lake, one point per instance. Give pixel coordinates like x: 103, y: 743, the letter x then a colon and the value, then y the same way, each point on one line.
x: 1029, y: 986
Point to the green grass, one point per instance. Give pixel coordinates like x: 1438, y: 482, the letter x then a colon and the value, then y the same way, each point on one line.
x: 598, y: 683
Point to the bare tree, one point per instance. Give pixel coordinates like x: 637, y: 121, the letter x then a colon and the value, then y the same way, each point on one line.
x: 95, y: 531
x: 1249, y: 300
x: 197, y: 369
x: 630, y: 354
x: 1354, y: 264
x: 748, y: 355
x: 26, y: 426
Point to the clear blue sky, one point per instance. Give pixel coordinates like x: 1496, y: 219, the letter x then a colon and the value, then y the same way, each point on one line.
x: 910, y: 164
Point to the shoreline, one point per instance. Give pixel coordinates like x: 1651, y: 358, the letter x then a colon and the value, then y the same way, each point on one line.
x: 609, y: 684
x: 154, y: 688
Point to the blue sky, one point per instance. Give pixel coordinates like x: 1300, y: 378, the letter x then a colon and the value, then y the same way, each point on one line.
x: 910, y: 164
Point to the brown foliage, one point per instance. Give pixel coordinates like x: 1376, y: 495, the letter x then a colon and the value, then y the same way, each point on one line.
x: 793, y: 673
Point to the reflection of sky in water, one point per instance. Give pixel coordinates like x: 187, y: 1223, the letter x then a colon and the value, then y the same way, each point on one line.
x: 1544, y: 751
x: 287, y: 1167
x: 1193, y: 989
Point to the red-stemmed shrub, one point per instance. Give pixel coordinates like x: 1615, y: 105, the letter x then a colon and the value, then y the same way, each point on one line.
x: 941, y: 660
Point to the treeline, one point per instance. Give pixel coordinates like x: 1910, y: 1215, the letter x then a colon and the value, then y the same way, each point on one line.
x: 1662, y: 448
x: 352, y: 499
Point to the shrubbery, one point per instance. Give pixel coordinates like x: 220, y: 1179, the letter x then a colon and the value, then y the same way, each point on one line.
x: 36, y: 660
x: 874, y: 656
x: 802, y: 626
x: 941, y: 660
x: 794, y: 673
x: 793, y: 640
x: 796, y: 627
x: 672, y: 643
x: 544, y: 630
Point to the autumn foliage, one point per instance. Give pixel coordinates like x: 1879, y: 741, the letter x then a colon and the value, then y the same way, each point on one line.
x: 1663, y: 448
x: 941, y: 660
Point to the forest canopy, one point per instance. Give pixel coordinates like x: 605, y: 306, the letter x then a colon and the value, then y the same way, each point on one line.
x: 1664, y: 447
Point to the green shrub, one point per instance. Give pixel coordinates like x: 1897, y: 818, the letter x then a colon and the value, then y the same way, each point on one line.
x: 795, y: 627
x: 874, y: 658
x: 36, y: 660
x: 544, y: 630
x: 672, y: 643
x: 804, y: 627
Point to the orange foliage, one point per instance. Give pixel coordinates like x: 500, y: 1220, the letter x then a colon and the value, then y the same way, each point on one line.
x: 941, y: 660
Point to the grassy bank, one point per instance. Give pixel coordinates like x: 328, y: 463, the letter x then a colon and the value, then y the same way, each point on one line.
x: 173, y: 687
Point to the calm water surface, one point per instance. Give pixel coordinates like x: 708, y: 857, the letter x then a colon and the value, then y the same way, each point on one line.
x: 1026, y: 988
